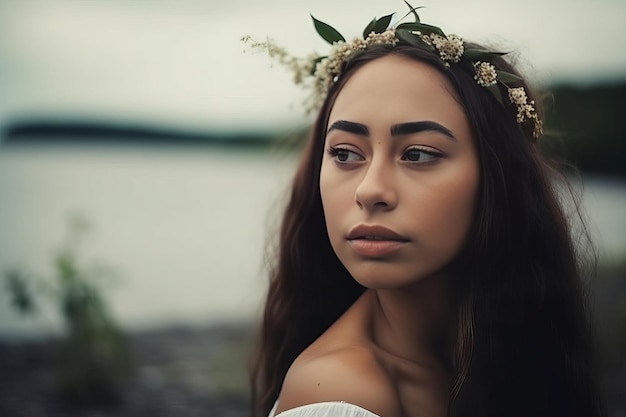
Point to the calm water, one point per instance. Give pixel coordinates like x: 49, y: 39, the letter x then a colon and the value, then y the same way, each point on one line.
x: 184, y: 228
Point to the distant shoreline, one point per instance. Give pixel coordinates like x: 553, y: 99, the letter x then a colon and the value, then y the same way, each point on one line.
x: 43, y: 132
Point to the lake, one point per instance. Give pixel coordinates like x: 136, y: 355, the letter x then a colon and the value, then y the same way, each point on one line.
x: 183, y: 227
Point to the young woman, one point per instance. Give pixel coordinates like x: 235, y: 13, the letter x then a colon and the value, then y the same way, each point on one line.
x: 425, y: 264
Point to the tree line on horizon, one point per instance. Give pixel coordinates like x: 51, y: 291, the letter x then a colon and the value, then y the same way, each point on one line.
x: 584, y: 126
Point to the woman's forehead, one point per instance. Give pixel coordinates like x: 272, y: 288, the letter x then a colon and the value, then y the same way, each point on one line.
x: 395, y: 89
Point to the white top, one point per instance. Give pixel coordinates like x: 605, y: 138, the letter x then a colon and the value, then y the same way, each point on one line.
x: 325, y: 409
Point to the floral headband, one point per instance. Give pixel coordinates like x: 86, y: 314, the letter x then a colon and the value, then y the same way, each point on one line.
x: 318, y: 73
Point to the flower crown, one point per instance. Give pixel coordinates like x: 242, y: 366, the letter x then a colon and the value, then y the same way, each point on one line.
x: 319, y: 72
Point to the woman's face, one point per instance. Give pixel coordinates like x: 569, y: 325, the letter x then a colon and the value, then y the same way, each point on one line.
x: 399, y: 175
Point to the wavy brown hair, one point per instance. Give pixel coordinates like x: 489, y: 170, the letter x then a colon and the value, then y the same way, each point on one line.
x: 523, y: 343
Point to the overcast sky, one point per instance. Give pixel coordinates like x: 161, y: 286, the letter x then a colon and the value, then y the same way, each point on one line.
x: 180, y: 63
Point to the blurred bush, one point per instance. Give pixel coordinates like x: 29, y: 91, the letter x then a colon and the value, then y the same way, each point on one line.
x: 93, y: 357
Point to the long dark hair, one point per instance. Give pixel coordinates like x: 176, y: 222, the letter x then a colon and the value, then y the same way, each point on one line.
x: 523, y: 344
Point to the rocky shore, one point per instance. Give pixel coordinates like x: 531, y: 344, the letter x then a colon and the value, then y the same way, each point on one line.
x: 176, y: 372
x: 182, y: 372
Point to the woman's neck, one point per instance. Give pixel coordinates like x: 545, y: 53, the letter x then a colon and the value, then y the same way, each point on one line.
x: 414, y: 323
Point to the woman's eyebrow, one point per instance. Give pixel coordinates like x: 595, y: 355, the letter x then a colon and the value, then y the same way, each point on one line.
x: 350, y: 127
x: 417, y: 127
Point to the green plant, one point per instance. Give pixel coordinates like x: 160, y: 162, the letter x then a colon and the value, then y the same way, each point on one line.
x: 93, y: 357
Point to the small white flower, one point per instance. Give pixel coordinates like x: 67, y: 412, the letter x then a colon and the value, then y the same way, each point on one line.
x: 518, y: 96
x: 525, y: 110
x: 450, y: 49
x: 388, y: 37
x: 328, y: 70
x: 485, y: 74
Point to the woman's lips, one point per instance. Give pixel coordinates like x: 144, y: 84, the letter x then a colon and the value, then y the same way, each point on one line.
x: 375, y: 241
x: 375, y: 248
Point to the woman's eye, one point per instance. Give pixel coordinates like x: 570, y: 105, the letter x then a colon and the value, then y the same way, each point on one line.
x: 420, y: 155
x: 344, y: 156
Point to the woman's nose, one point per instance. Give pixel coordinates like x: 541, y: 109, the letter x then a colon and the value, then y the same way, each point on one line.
x: 377, y: 190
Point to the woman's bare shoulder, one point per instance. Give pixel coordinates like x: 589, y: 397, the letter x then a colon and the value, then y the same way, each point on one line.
x: 343, y: 372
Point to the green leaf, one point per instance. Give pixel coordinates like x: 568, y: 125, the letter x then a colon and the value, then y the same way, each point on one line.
x: 493, y: 89
x: 382, y: 24
x: 315, y: 62
x: 423, y: 28
x: 407, y: 37
x: 481, y: 55
x: 368, y: 29
x: 507, y: 77
x: 413, y: 11
x: 408, y: 26
x: 21, y: 294
x: 327, y: 32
